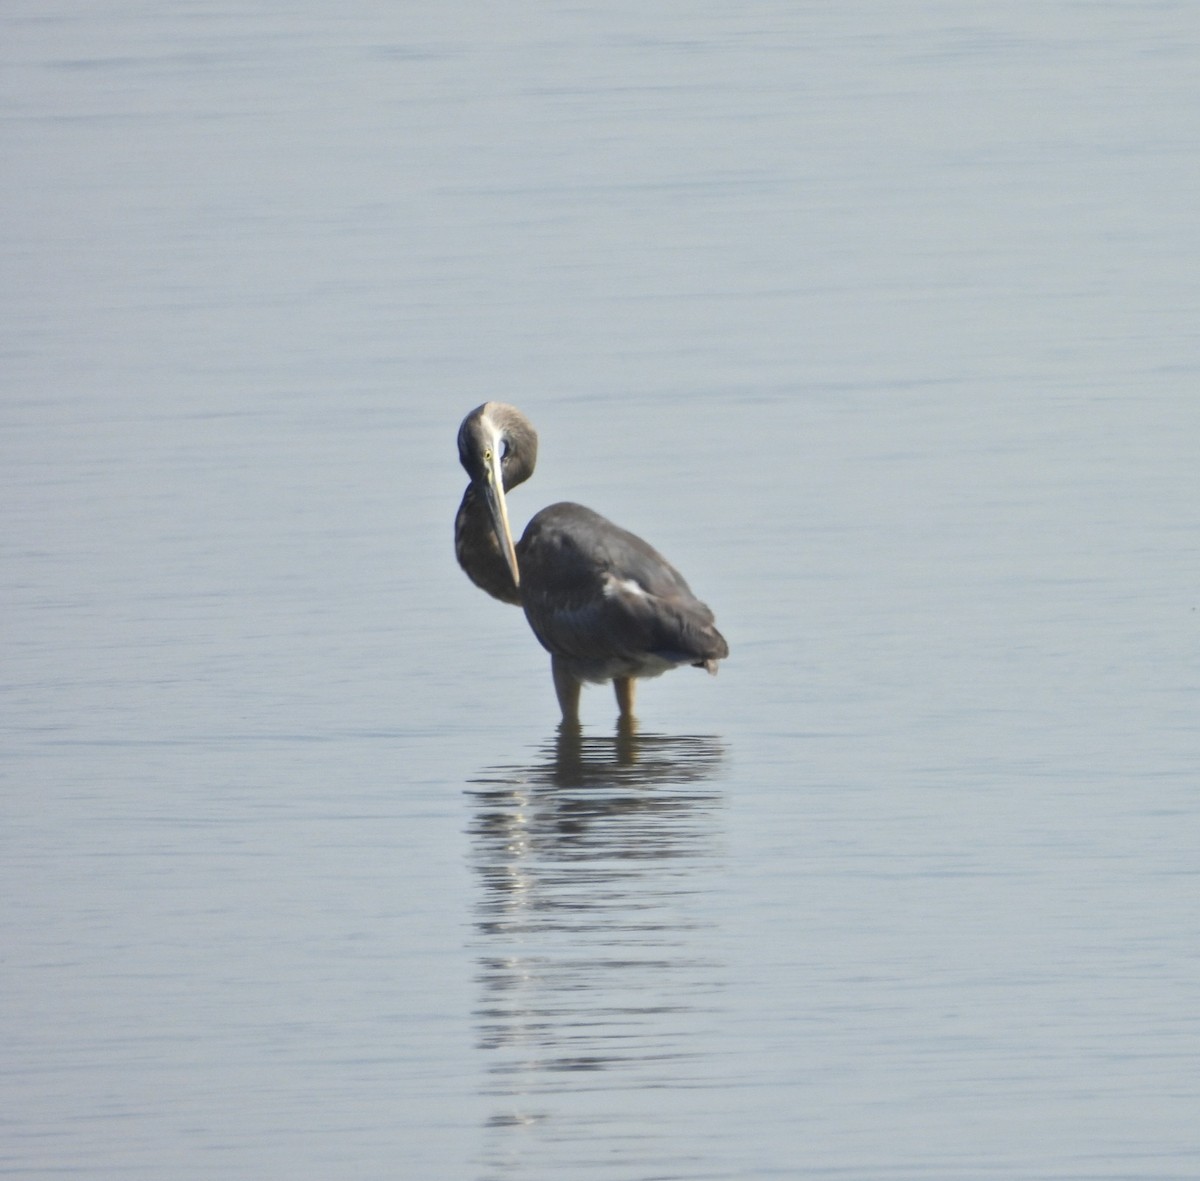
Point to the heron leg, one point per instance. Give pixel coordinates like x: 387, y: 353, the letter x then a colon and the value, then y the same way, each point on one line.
x: 625, y: 687
x: 567, y: 688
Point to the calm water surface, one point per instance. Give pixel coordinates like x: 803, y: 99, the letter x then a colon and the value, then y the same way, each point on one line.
x: 880, y: 320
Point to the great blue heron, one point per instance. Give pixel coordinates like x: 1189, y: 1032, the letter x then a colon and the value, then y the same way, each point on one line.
x: 603, y: 603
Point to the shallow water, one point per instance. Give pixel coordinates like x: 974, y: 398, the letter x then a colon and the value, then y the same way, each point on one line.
x: 880, y: 322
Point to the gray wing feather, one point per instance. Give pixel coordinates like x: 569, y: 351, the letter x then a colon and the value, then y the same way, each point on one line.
x: 606, y: 601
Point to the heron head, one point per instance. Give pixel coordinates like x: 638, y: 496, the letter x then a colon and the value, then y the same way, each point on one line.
x: 497, y: 447
x: 495, y: 428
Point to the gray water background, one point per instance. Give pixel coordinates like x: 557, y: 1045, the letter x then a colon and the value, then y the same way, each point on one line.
x: 880, y: 319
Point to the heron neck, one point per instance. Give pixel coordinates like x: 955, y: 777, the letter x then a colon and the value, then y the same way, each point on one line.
x: 479, y: 552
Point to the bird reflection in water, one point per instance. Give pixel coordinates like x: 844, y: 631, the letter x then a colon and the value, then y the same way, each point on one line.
x: 595, y: 937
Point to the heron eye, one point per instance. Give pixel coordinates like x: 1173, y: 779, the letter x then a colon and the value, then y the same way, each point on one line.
x: 487, y: 455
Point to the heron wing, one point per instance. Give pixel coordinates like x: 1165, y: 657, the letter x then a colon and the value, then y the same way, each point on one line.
x: 603, y: 599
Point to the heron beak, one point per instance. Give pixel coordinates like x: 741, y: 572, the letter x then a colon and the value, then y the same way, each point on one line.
x: 498, y: 507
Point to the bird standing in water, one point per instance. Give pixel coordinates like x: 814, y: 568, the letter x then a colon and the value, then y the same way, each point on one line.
x: 606, y: 605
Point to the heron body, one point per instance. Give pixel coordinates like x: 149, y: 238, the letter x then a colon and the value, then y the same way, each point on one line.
x: 606, y: 605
